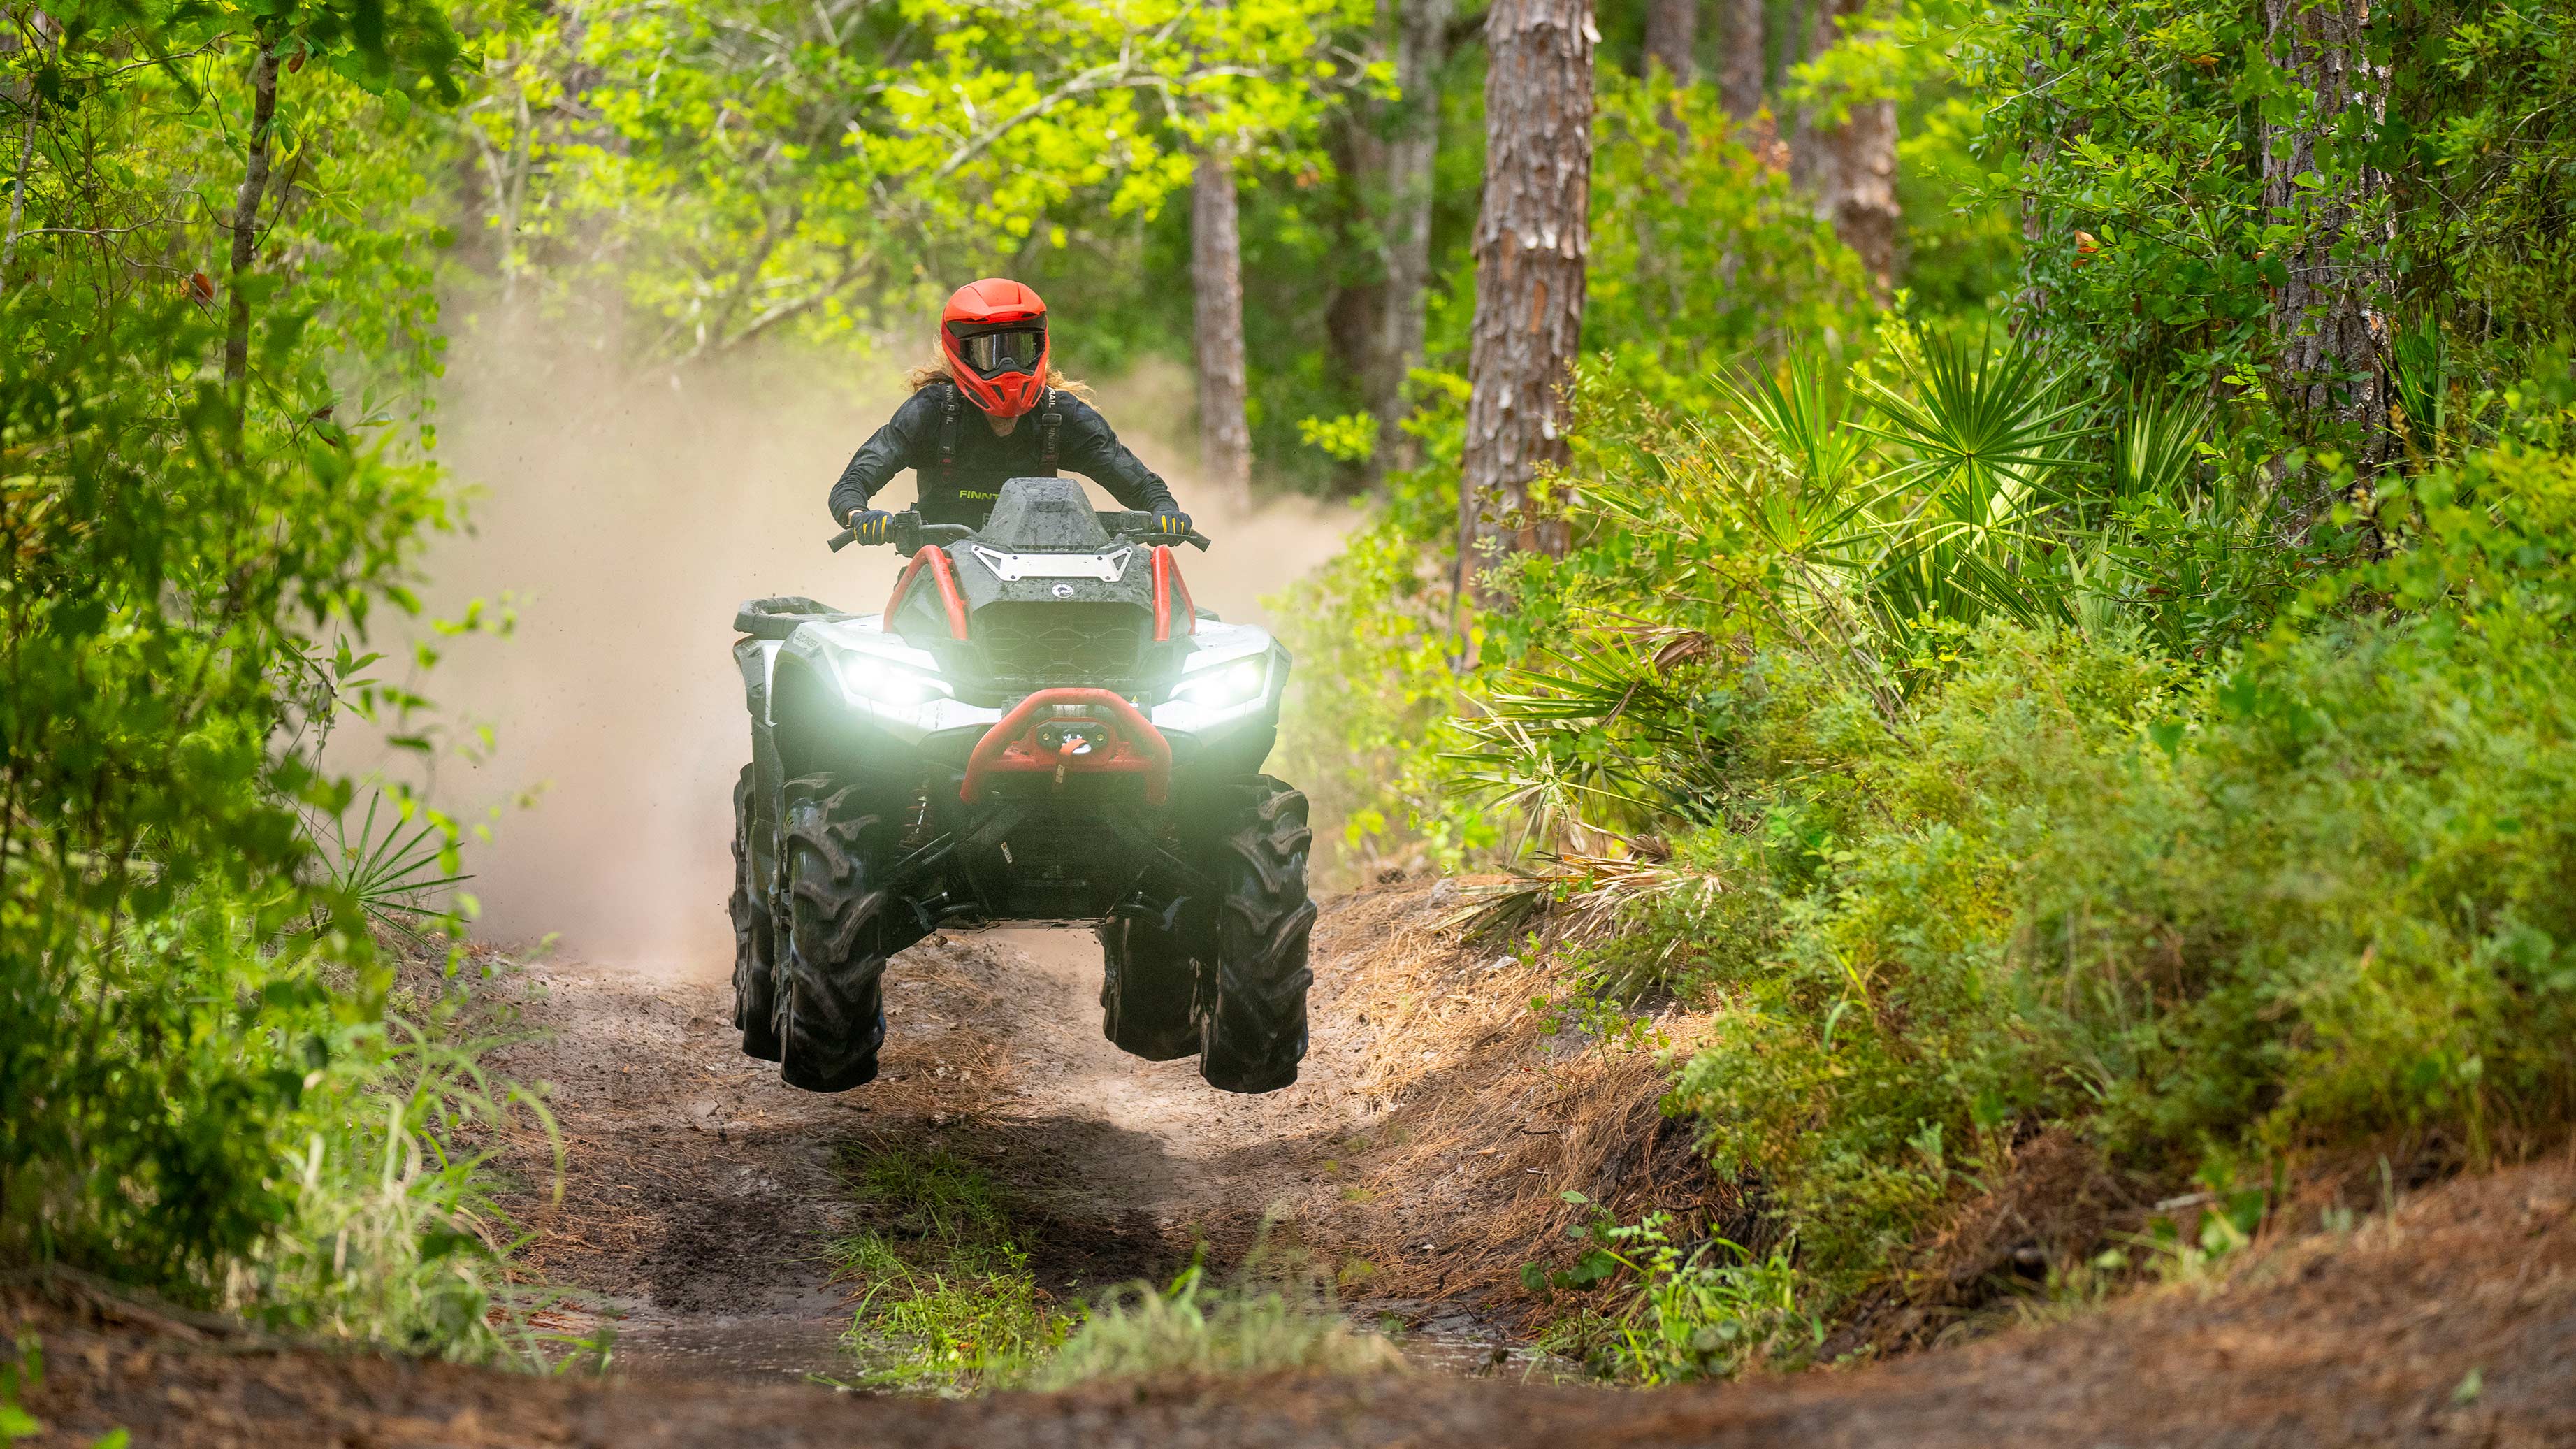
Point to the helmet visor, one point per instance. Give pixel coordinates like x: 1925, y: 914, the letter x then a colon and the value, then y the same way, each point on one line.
x: 1004, y: 349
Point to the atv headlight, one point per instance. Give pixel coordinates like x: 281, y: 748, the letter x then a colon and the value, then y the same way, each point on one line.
x: 1227, y: 685
x: 887, y: 682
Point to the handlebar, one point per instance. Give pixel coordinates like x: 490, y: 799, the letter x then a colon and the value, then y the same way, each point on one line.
x: 907, y: 532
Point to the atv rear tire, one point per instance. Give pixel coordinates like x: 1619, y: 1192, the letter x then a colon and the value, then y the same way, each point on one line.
x: 1148, y: 990
x: 830, y: 1008
x: 755, y: 978
x: 1252, y: 1020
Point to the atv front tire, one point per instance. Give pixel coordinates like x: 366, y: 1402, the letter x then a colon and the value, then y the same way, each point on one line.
x: 755, y: 978
x: 1252, y: 1019
x: 830, y: 1007
x: 1148, y: 987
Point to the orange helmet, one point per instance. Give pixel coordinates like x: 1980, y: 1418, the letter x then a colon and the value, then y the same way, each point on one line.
x: 994, y: 335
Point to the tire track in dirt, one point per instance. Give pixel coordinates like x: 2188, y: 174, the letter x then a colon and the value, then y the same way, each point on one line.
x: 700, y: 1196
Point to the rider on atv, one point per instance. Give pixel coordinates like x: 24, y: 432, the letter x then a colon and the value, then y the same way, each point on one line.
x: 993, y: 354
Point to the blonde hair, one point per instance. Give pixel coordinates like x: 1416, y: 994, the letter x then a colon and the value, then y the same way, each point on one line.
x: 936, y: 370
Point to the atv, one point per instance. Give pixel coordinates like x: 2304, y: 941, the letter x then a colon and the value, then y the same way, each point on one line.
x: 1039, y: 728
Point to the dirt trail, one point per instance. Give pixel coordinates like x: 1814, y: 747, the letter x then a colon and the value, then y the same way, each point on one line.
x: 700, y: 1195
x: 2455, y: 1323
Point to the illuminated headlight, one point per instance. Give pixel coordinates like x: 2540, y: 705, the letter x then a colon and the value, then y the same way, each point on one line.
x: 887, y: 682
x: 1227, y: 685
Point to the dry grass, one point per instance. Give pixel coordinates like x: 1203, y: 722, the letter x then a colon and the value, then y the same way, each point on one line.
x: 1488, y: 1119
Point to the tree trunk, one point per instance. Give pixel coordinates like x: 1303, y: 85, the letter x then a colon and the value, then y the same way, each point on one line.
x: 1672, y: 37
x: 2330, y: 318
x: 1216, y: 278
x: 39, y: 23
x: 18, y: 189
x: 1741, y: 76
x: 245, y: 223
x: 1532, y: 240
x: 1412, y: 145
x: 1850, y: 168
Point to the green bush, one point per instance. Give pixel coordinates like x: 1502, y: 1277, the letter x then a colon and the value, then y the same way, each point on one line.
x: 1708, y: 1310
x: 203, y: 1091
x: 2317, y: 899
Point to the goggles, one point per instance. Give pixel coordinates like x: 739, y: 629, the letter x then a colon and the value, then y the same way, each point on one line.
x: 1002, y: 350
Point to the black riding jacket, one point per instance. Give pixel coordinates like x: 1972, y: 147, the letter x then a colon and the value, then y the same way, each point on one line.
x: 962, y: 464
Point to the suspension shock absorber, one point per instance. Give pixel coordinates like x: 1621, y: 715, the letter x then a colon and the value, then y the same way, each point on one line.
x: 916, y: 829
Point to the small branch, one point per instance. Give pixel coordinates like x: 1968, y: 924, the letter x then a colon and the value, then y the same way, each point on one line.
x: 245, y: 222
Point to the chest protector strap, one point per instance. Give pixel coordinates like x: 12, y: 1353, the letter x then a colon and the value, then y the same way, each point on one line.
x: 1049, y: 423
x: 948, y: 436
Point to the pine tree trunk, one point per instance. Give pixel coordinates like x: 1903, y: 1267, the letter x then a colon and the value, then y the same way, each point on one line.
x: 1672, y: 37
x: 1850, y: 168
x: 1532, y: 240
x: 1740, y: 78
x: 2330, y: 319
x: 245, y: 222
x: 1412, y: 145
x: 1216, y: 278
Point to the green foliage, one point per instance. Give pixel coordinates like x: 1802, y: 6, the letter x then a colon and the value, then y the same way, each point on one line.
x: 201, y: 1090
x: 947, y: 1300
x: 1701, y: 252
x: 2264, y: 910
x: 1680, y: 1315
x: 2135, y: 134
x: 1192, y: 1328
x: 737, y: 168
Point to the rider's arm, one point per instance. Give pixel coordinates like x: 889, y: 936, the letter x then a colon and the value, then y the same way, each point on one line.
x: 1091, y: 449
x: 908, y: 439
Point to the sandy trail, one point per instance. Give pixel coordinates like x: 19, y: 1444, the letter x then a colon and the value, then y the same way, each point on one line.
x: 701, y: 1196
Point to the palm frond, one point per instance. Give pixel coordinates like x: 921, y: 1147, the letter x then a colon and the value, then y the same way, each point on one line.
x: 391, y: 865
x: 2156, y: 449
x: 1977, y: 408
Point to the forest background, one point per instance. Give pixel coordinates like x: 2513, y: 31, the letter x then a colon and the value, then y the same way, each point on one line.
x: 2014, y: 560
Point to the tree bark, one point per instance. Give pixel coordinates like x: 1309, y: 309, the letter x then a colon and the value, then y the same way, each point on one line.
x: 1412, y: 146
x: 1850, y: 168
x: 245, y: 222
x: 40, y: 24
x: 18, y: 190
x: 2330, y: 319
x: 1741, y: 76
x: 1532, y: 241
x: 1672, y: 37
x: 1216, y: 279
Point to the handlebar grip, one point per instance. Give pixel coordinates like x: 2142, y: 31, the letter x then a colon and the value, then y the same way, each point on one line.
x: 844, y: 539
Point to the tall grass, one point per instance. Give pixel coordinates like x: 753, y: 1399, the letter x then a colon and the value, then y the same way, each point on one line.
x: 396, y: 1238
x: 1265, y: 1320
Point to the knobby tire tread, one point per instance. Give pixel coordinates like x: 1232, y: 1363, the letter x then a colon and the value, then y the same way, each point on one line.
x: 1148, y: 990
x: 1252, y: 1024
x: 755, y: 979
x: 830, y: 1002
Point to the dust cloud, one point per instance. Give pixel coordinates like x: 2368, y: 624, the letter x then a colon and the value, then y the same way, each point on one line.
x: 629, y: 515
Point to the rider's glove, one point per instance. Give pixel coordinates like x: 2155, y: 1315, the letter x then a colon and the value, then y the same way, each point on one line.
x: 869, y: 524
x: 1171, y: 522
